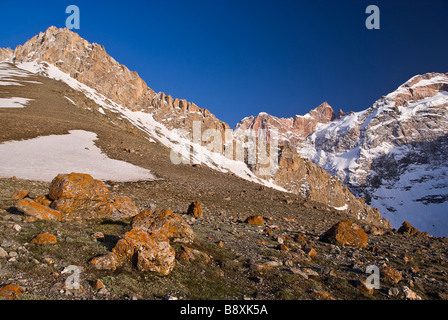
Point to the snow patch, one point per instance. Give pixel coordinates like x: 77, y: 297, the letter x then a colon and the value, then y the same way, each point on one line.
x: 45, y: 157
x: 14, y: 102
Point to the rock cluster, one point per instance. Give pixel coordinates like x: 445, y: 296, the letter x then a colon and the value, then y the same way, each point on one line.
x: 77, y: 196
x: 147, y: 246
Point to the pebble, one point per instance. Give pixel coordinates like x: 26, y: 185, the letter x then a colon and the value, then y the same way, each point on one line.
x: 7, y: 243
x: 393, y: 292
x: 17, y: 227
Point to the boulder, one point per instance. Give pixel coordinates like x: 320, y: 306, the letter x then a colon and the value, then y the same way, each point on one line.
x: 407, y: 228
x: 390, y: 274
x: 195, y: 209
x: 105, y: 262
x: 37, y: 211
x: 11, y: 291
x: 44, y: 238
x: 164, y: 221
x: 123, y: 207
x: 346, y: 233
x: 43, y: 199
x: 78, y: 196
x: 146, y: 250
x: 78, y: 186
x: 256, y: 220
x: 82, y: 209
x: 20, y: 194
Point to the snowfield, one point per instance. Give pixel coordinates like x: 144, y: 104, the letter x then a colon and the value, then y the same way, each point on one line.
x: 45, y: 157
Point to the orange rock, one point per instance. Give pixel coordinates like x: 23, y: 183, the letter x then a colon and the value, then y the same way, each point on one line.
x: 256, y: 220
x: 300, y: 239
x: 310, y: 252
x: 11, y: 291
x: 98, y: 284
x: 105, y: 262
x: 164, y: 221
x: 346, y: 233
x: 20, y: 194
x: 195, y: 209
x: 123, y: 207
x: 147, y: 250
x: 193, y: 255
x: 363, y: 287
x: 321, y: 295
x: 407, y: 228
x: 44, y: 200
x: 77, y: 186
x: 82, y: 209
x: 37, y: 210
x: 391, y: 274
x: 44, y: 238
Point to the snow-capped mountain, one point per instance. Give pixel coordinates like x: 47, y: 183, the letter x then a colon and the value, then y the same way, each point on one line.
x: 394, y: 154
x: 122, y: 98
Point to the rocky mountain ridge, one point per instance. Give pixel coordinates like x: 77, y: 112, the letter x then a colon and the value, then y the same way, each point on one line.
x: 63, y: 55
x: 393, y: 153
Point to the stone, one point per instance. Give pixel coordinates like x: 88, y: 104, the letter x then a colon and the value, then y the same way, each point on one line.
x: 146, y: 250
x: 164, y: 221
x: 282, y: 247
x: 310, y: 252
x: 77, y: 186
x: 195, y: 209
x: 105, y: 262
x: 407, y: 228
x: 98, y: 285
x: 44, y: 238
x: 390, y: 274
x: 82, y: 209
x: 393, y: 292
x: 3, y: 253
x: 409, y: 294
x: 44, y: 200
x: 267, y: 265
x: 11, y: 291
x: 122, y: 208
x: 20, y: 194
x: 194, y: 255
x: 321, y: 295
x: 363, y: 287
x: 255, y: 220
x: 300, y: 238
x: 37, y: 211
x: 346, y: 233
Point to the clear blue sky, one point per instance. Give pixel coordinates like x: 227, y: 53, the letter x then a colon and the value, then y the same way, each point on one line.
x: 238, y: 58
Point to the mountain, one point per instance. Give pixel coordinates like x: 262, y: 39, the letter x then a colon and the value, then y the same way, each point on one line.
x: 393, y: 154
x: 63, y: 55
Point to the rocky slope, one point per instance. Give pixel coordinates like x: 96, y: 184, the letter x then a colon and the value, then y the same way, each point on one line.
x: 393, y: 154
x: 251, y: 240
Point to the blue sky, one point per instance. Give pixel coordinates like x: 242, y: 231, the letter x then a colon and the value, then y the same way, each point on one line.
x: 238, y: 58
